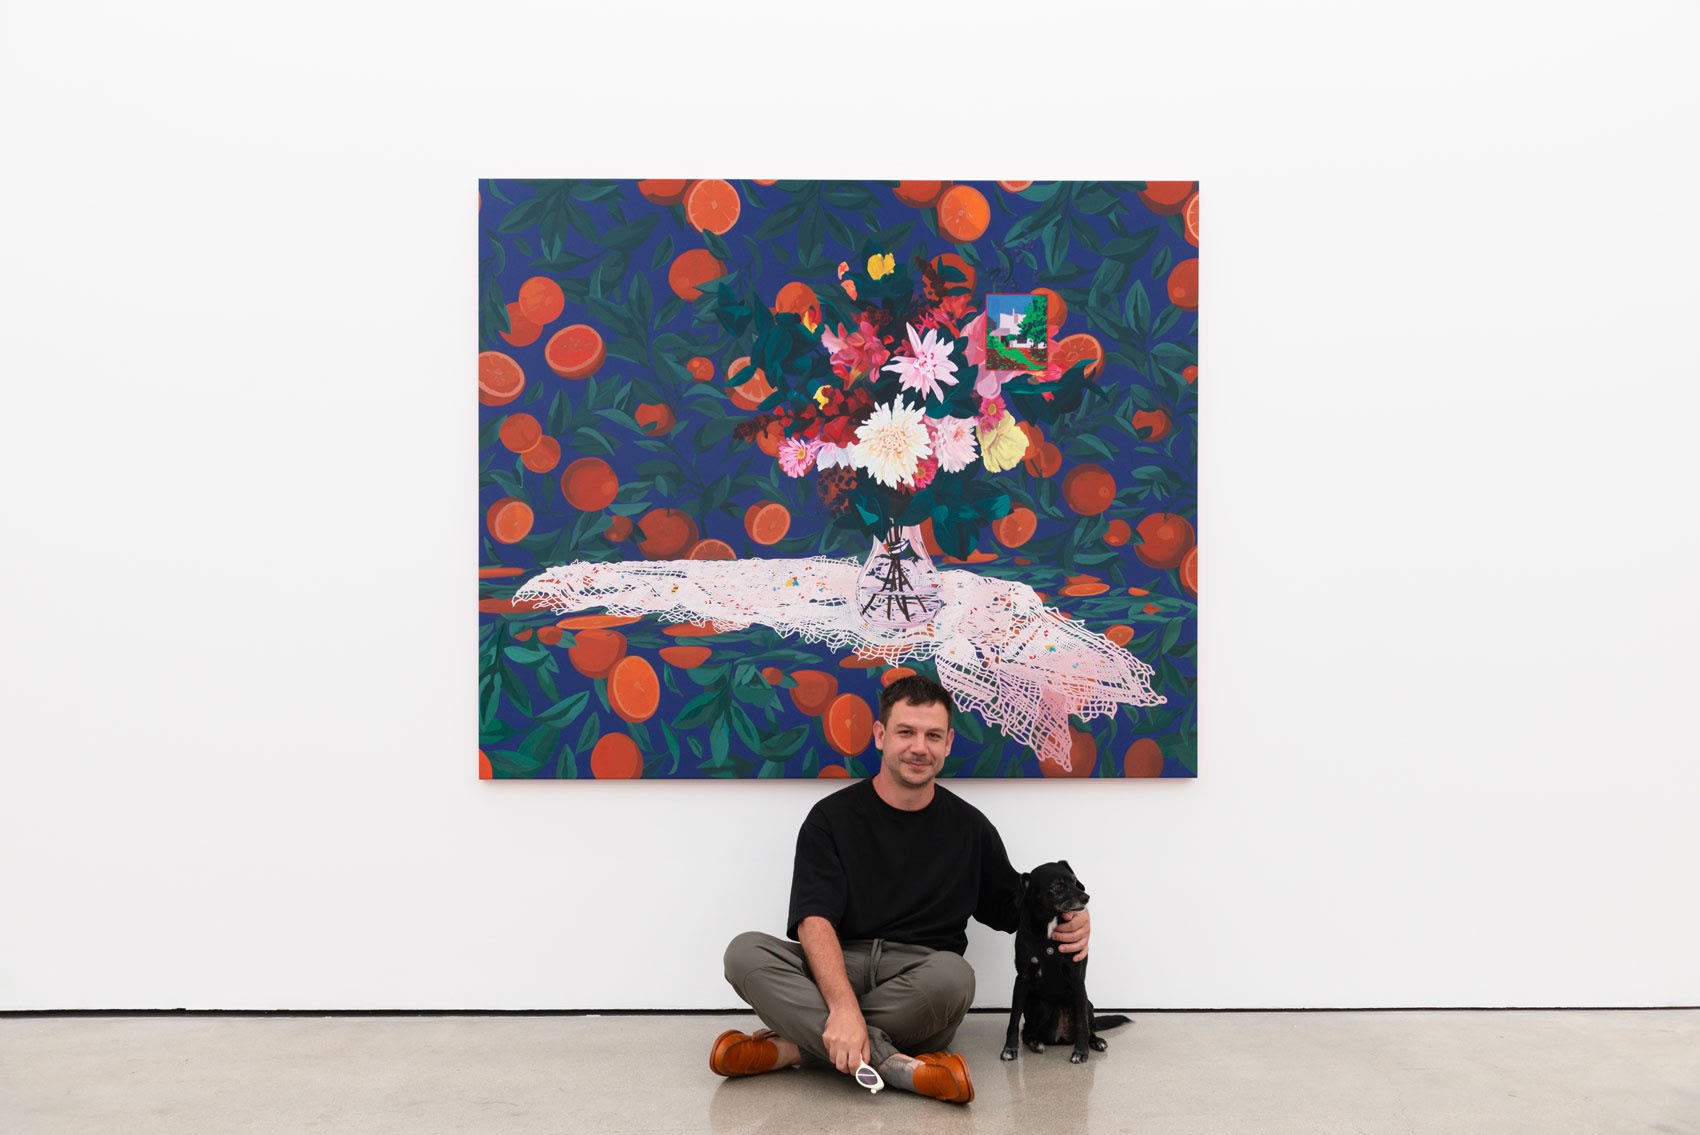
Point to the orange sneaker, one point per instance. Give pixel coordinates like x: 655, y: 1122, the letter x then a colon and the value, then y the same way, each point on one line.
x: 944, y: 1076
x: 741, y: 1054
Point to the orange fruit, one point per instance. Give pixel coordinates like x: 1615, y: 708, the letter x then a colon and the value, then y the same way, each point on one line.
x: 964, y: 214
x: 699, y: 368
x: 549, y: 636
x: 589, y: 484
x: 771, y: 438
x: 506, y: 607
x: 918, y: 194
x: 1042, y: 460
x: 833, y: 772
x: 1017, y: 528
x: 772, y: 675
x: 520, y: 432
x: 656, y: 418
x: 687, y: 274
x: 1056, y: 309
x: 751, y: 392
x: 1189, y: 214
x: 1137, y: 591
x: 1013, y: 186
x: 952, y: 260
x: 1166, y: 198
x: 711, y: 549
x: 1089, y: 489
x: 814, y: 691
x: 499, y: 572
x: 1157, y: 421
x: 634, y: 690
x: 769, y: 181
x: 500, y: 379
x: 667, y: 534
x: 1190, y: 373
x: 1183, y: 284
x: 767, y: 522
x: 1076, y: 348
x: 576, y: 351
x: 1151, y: 609
x: 685, y: 657
x: 595, y: 652
x: 1189, y: 570
x: 928, y: 540
x: 1118, y: 533
x: 712, y: 205
x: 541, y: 300
x: 796, y: 298
x: 509, y: 520
x: 616, y: 757
x: 619, y: 528
x: 1082, y: 590
x: 485, y: 772
x: 894, y: 674
x: 1121, y: 634
x: 1167, y: 538
x: 1144, y: 758
x: 521, y: 332
x: 663, y: 190
x: 849, y: 725
x: 542, y: 457
x: 596, y: 622
x: 1082, y: 757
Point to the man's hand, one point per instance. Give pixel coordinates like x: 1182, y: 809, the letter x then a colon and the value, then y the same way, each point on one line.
x: 1073, y: 932
x: 846, y: 1038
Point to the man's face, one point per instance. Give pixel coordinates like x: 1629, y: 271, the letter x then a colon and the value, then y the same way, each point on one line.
x: 914, y: 742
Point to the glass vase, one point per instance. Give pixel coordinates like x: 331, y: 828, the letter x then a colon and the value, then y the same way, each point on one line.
x: 899, y: 586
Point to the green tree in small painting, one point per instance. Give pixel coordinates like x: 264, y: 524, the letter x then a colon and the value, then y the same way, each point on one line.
x: 1032, y: 328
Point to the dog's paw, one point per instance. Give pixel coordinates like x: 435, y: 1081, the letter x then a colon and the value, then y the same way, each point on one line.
x: 1035, y: 1046
x: 1077, y: 1057
x: 1009, y: 1052
x: 1099, y: 1044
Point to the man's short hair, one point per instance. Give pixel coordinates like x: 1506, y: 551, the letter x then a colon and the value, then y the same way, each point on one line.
x: 916, y: 689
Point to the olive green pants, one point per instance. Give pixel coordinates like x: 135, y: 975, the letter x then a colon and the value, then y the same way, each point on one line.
x: 913, y: 998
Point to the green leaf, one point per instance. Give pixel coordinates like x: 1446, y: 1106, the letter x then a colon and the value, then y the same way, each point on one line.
x: 565, y: 711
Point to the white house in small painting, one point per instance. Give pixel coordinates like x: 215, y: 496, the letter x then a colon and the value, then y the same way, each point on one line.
x: 1009, y: 326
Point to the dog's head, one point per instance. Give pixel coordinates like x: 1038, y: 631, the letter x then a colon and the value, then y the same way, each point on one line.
x: 1053, y: 888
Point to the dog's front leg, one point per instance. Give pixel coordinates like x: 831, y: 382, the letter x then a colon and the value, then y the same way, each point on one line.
x: 1016, y: 1000
x: 1080, y: 1010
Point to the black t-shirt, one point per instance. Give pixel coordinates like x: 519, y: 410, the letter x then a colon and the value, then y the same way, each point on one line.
x: 875, y: 871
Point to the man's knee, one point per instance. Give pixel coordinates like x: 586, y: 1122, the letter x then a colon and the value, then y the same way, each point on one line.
x: 745, y: 953
x: 953, y: 978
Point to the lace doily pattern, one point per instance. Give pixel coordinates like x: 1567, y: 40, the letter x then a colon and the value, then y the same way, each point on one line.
x: 1001, y: 653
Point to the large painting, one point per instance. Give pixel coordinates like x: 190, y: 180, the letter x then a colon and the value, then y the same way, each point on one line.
x: 751, y: 450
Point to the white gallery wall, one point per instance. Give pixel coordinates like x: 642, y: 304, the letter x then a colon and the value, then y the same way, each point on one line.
x: 1451, y: 568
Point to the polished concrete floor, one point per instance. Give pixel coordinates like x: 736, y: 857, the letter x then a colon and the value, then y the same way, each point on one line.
x: 1588, y: 1072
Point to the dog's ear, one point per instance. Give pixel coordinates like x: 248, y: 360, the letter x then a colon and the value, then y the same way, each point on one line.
x: 1063, y: 863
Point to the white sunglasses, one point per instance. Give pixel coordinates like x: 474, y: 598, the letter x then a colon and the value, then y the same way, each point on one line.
x: 867, y: 1077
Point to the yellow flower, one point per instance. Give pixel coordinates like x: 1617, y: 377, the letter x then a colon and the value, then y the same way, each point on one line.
x: 820, y: 397
x: 879, y: 266
x: 1002, y: 446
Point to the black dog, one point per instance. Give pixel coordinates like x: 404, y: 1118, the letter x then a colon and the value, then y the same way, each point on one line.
x: 1050, y: 986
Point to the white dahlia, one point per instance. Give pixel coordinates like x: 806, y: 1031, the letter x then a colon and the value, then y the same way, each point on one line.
x: 892, y: 442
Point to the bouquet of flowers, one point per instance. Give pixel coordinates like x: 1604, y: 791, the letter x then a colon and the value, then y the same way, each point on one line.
x: 880, y: 385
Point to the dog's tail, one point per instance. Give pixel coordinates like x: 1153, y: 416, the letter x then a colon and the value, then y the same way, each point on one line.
x: 1110, y: 1021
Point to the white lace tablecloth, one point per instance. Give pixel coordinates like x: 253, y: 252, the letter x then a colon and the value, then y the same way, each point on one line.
x: 998, y: 649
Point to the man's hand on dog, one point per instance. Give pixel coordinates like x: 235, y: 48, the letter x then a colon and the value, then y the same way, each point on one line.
x: 1072, y: 933
x: 846, y: 1037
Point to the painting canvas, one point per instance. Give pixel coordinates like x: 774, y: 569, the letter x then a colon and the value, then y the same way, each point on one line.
x: 751, y: 450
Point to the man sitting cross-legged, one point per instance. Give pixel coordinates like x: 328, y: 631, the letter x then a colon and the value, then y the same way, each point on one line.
x: 888, y: 872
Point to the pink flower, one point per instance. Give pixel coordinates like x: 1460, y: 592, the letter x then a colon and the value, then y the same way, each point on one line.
x: 857, y: 353
x: 925, y: 470
x: 797, y: 455
x: 991, y: 409
x: 928, y: 368
x: 975, y: 333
